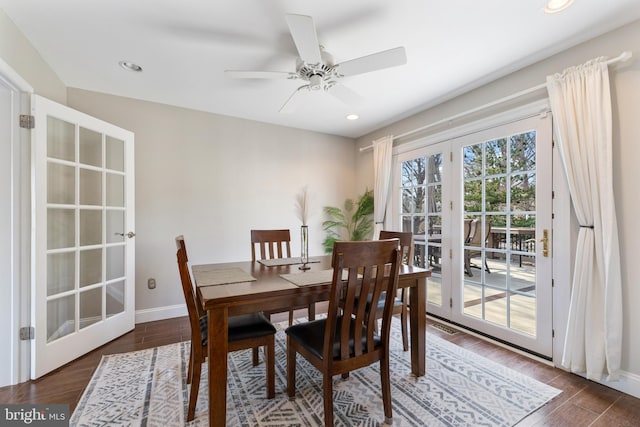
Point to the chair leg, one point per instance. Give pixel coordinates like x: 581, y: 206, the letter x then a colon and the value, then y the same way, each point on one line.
x: 312, y: 311
x: 270, y: 358
x: 190, y: 368
x: 385, y: 382
x: 405, y: 331
x: 256, y: 359
x: 290, y: 317
x: 327, y: 391
x: 467, y: 264
x: 291, y: 370
x: 195, y: 386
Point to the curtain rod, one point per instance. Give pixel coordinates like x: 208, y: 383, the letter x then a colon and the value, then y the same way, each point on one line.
x: 623, y: 57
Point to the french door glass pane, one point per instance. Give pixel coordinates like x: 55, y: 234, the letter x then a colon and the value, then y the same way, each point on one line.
x: 61, y: 228
x: 90, y: 267
x: 115, y: 226
x: 90, y: 147
x: 115, y: 154
x: 61, y: 184
x: 115, y: 298
x: 115, y: 262
x: 61, y: 268
x: 90, y: 227
x: 115, y: 190
x: 61, y: 317
x: 90, y: 307
x: 61, y: 137
x: 90, y: 187
x: 499, y: 187
x: 421, y: 214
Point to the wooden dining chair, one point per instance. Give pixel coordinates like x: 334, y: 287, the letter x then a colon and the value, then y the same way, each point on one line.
x: 247, y: 331
x: 401, y: 301
x: 276, y: 244
x: 347, y: 339
x: 272, y: 244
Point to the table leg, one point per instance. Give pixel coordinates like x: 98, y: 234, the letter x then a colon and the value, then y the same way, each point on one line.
x: 418, y: 326
x: 217, y: 346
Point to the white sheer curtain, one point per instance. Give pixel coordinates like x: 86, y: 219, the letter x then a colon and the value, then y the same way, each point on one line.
x: 581, y: 106
x: 382, y: 150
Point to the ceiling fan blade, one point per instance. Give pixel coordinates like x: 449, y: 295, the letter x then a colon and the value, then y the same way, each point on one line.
x: 345, y: 95
x: 294, y: 100
x: 305, y: 37
x: 375, y: 61
x: 239, y: 74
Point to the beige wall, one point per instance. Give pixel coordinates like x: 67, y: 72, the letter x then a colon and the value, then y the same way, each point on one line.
x: 625, y: 86
x: 213, y: 178
x: 16, y: 50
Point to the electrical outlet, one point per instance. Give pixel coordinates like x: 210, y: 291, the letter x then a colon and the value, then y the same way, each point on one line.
x: 151, y: 283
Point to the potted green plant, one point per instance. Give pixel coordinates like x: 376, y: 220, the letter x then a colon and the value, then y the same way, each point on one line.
x: 353, y: 222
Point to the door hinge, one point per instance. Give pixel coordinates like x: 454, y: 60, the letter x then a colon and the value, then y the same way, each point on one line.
x: 450, y: 253
x: 553, y: 194
x: 553, y: 283
x: 451, y: 156
x: 450, y: 302
x: 451, y: 205
x: 553, y: 333
x: 27, y: 121
x: 27, y: 333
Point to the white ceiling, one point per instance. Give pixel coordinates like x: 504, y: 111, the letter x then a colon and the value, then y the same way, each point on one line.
x: 184, y: 46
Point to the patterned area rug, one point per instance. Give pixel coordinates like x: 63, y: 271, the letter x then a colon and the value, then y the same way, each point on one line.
x: 147, y: 388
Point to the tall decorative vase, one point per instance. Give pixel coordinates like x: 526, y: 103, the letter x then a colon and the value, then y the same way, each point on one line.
x: 304, y: 247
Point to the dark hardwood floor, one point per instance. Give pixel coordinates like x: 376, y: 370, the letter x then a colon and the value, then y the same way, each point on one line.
x: 582, y: 403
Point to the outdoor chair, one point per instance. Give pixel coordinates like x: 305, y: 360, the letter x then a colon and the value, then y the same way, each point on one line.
x: 476, y: 239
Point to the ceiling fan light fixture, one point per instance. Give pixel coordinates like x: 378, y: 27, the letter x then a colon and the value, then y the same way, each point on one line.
x: 130, y: 66
x: 556, y: 6
x: 352, y: 117
x: 316, y: 83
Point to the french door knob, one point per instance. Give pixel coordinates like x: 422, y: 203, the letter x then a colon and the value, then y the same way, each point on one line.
x: 129, y: 234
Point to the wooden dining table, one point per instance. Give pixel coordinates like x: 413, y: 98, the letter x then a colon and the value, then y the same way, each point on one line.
x: 264, y: 288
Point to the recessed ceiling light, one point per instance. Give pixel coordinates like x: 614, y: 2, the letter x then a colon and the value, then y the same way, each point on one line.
x: 353, y: 117
x: 555, y: 6
x: 130, y: 66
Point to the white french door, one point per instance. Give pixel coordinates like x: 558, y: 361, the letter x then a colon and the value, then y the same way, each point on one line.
x: 82, y: 245
x: 480, y: 208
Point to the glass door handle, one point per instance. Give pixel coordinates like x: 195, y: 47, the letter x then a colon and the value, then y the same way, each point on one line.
x: 129, y: 234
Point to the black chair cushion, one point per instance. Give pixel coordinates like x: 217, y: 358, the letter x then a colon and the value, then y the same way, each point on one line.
x: 311, y: 336
x: 244, y: 326
x: 397, y: 302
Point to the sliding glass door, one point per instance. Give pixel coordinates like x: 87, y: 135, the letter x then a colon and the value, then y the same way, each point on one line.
x: 479, y: 207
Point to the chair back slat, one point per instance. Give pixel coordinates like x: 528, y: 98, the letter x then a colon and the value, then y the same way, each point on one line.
x: 272, y: 244
x: 362, y: 271
x: 406, y: 243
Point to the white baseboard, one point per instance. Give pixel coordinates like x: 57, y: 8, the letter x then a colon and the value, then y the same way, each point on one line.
x: 160, y: 313
x: 628, y: 383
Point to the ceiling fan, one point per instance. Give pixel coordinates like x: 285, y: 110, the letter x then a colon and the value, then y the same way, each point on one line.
x: 315, y: 65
